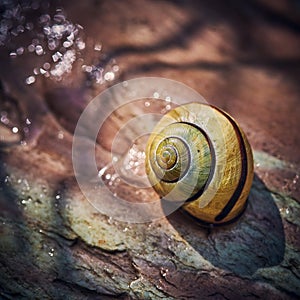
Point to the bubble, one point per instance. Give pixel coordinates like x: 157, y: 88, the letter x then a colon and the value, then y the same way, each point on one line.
x: 13, y: 54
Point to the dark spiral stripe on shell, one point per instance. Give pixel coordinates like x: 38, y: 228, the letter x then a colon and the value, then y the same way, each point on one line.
x: 185, y: 171
x: 244, y: 170
x: 212, y: 167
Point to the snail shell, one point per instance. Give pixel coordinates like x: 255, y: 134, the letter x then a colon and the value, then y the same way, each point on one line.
x: 199, y: 155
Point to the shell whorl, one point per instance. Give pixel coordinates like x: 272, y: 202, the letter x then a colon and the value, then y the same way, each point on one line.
x: 197, y: 153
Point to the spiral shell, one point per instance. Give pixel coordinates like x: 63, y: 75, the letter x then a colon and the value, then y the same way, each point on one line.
x: 199, y: 155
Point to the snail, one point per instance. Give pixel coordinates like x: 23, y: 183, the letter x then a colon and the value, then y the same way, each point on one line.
x: 198, y: 155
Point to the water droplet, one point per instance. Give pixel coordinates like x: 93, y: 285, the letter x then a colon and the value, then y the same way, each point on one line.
x: 60, y: 18
x: 80, y: 44
x: 14, y: 32
x: 13, y: 54
x: 4, y: 118
x: 42, y: 71
x: 98, y: 47
x: 67, y: 44
x: 87, y: 69
x: 39, y: 50
x: 60, y: 135
x: 29, y: 26
x: 35, y: 42
x: 109, y: 76
x: 46, y: 66
x: 20, y: 51
x: 26, y: 130
x: 44, y: 18
x: 7, y: 179
x: 15, y: 129
x: 52, y: 44
x: 115, y: 68
x: 51, y: 252
x: 20, y: 29
x: 56, y: 56
x: 156, y: 95
x: 71, y: 37
x: 31, y: 48
x: 295, y: 179
x: 164, y: 272
x: 30, y: 80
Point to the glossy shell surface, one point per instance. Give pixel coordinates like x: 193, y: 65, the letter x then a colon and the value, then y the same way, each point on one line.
x: 197, y: 153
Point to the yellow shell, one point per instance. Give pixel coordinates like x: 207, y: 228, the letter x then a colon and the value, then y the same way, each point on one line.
x: 198, y: 154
